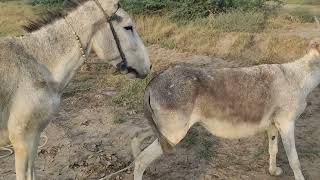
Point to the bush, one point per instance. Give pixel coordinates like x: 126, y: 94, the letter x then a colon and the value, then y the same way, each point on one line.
x: 239, y: 21
x: 145, y: 6
x: 46, y: 2
x: 186, y: 10
x: 131, y: 94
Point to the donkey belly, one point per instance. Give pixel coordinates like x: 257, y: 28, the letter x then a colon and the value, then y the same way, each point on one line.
x: 230, y: 130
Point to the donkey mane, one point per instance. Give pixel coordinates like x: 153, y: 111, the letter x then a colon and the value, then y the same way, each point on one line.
x: 52, y: 15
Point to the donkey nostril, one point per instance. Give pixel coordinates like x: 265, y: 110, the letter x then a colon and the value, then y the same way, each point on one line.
x: 150, y: 66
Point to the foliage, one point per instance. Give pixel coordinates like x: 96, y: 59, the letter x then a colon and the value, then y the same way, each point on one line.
x: 186, y: 10
x: 145, y: 6
x: 49, y: 3
x: 131, y: 93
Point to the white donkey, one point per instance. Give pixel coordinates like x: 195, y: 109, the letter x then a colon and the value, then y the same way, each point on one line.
x: 229, y: 103
x: 35, y: 69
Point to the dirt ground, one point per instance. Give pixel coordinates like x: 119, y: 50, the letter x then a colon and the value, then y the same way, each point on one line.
x: 85, y: 142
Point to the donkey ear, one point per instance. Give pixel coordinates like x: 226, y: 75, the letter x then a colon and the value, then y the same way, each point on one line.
x: 110, y: 6
x: 315, y: 44
x: 317, y: 21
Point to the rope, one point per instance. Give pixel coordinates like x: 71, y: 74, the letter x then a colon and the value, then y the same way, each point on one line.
x: 120, y: 171
x: 9, y: 148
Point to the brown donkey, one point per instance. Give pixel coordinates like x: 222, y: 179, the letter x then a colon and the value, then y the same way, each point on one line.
x: 229, y: 103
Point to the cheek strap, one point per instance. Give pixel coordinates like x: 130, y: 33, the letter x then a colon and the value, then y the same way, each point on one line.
x: 123, y: 64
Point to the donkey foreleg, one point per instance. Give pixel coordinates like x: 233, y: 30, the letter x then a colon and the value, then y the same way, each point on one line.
x: 285, y: 123
x: 25, y: 152
x: 287, y: 134
x: 29, y: 115
x: 273, y: 150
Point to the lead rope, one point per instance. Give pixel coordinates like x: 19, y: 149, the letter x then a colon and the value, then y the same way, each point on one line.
x: 9, y: 148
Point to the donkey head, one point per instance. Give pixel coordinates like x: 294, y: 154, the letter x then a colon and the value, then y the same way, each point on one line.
x: 118, y: 41
x: 315, y: 43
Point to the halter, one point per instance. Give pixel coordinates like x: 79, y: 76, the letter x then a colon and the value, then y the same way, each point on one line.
x: 123, y: 64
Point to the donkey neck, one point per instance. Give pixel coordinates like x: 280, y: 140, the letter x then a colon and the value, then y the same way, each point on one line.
x: 56, y: 46
x: 306, y: 71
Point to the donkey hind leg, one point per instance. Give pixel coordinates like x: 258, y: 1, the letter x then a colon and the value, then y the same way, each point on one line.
x: 138, y: 138
x: 25, y: 152
x: 273, y: 150
x: 153, y: 151
x: 145, y: 158
x: 286, y: 129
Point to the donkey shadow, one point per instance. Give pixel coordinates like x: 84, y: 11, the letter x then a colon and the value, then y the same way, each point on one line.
x: 202, y: 156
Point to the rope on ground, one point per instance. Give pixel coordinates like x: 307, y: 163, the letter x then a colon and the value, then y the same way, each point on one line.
x: 120, y: 171
x: 9, y: 148
x: 45, y: 137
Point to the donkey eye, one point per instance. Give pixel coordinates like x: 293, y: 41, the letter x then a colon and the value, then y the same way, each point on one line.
x: 129, y: 28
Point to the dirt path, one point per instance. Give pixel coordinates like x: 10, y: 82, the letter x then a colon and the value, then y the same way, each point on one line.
x: 85, y: 141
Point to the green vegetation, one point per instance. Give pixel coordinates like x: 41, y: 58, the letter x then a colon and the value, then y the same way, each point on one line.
x: 48, y: 2
x: 131, y: 93
x: 186, y: 10
x: 49, y: 5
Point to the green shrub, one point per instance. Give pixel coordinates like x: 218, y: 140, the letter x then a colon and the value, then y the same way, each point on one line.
x: 46, y: 2
x: 131, y: 94
x: 145, y: 6
x: 239, y: 21
x: 186, y: 10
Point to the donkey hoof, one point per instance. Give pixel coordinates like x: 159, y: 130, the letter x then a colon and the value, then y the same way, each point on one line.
x: 275, y: 172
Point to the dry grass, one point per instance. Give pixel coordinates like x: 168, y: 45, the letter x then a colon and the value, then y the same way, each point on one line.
x: 202, y: 38
x: 302, y: 1
x: 14, y: 14
x: 238, y: 21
